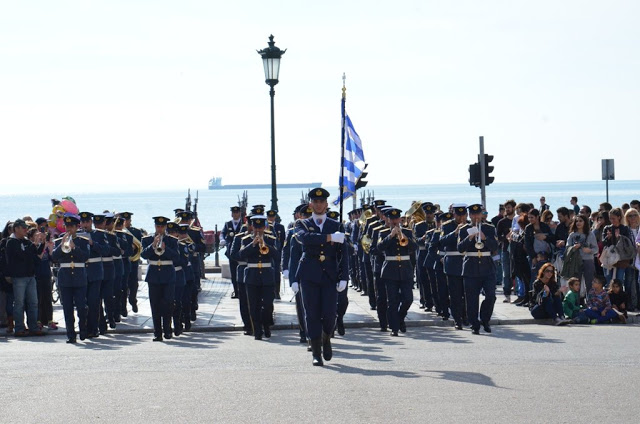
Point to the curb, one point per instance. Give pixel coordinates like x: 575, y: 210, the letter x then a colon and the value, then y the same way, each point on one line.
x: 358, y: 324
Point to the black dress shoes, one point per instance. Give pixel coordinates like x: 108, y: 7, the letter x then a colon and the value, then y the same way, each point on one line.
x: 157, y: 339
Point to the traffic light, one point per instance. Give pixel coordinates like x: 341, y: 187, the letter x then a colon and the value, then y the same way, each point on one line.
x: 474, y: 174
x: 488, y: 179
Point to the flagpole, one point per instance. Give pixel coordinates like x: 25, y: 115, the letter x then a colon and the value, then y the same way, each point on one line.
x: 342, y: 136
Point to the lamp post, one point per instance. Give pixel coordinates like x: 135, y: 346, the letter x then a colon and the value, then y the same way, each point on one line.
x: 271, y: 61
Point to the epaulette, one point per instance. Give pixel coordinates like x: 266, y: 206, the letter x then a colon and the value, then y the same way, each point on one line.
x: 271, y: 237
x: 378, y: 227
x: 246, y: 237
x: 173, y: 237
x: 147, y: 236
x: 58, y: 239
x: 385, y: 230
x: 268, y: 231
x: 84, y: 238
x: 193, y: 227
x: 240, y: 234
x: 98, y: 229
x: 447, y: 222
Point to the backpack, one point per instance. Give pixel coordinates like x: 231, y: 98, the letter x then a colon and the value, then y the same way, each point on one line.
x: 572, y: 263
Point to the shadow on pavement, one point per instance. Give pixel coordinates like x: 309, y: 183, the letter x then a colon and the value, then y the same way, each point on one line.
x: 345, y: 369
x: 506, y: 332
x: 464, y: 377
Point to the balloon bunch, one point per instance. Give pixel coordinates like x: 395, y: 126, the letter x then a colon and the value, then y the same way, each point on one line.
x: 66, y: 205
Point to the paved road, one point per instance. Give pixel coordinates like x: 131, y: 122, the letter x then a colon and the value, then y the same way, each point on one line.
x: 526, y: 373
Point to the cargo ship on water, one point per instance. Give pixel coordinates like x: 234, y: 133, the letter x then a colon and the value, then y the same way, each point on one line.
x: 215, y: 183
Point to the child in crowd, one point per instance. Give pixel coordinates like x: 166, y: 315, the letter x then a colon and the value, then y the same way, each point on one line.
x: 618, y: 299
x: 571, y: 303
x: 599, y: 308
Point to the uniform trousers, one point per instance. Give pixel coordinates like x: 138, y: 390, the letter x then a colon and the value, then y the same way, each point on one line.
x: 117, y: 287
x: 161, y: 300
x: 233, y: 267
x: 300, y: 314
x: 93, y: 306
x: 343, y: 303
x: 472, y: 287
x: 424, y: 285
x: 442, y: 290
x: 177, y: 305
x: 371, y: 287
x: 400, y: 297
x: 186, y: 304
x: 106, y: 294
x: 455, y: 284
x: 241, y: 292
x: 382, y: 304
x: 320, y: 307
x: 260, y: 302
x: 70, y: 297
x: 133, y: 284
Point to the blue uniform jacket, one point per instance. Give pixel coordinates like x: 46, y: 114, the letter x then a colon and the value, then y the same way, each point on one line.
x: 377, y: 256
x: 162, y: 274
x: 286, y: 249
x: 99, y: 248
x: 475, y: 265
x: 234, y: 255
x: 449, y: 244
x: 390, y: 248
x: 229, y: 232
x: 251, y: 254
x: 306, y: 262
x: 72, y: 276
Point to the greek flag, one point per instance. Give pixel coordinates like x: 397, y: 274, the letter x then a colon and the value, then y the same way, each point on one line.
x: 353, y: 161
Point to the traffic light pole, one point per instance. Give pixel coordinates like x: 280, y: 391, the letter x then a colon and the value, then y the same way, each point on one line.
x: 483, y: 194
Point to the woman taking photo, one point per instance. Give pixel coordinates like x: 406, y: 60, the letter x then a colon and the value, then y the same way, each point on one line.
x: 547, y: 297
x: 582, y: 238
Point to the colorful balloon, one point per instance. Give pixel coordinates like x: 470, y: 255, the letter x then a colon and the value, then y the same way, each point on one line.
x: 69, y: 206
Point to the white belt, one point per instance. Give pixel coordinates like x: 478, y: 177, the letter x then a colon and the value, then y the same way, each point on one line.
x: 259, y: 266
x: 94, y: 260
x: 453, y: 254
x: 178, y: 268
x: 422, y: 248
x: 107, y: 259
x: 71, y: 265
x: 117, y: 257
x: 160, y: 263
x: 479, y: 253
x: 242, y: 263
x: 398, y: 258
x: 441, y: 253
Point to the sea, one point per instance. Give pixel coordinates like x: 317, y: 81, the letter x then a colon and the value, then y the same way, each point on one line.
x: 213, y: 205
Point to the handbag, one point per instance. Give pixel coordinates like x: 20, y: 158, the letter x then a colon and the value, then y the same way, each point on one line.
x: 609, y: 257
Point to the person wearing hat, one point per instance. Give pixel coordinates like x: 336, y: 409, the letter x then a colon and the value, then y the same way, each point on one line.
x: 180, y: 265
x: 94, y: 270
x: 234, y: 254
x: 132, y: 278
x: 397, y: 244
x: 229, y: 231
x: 117, y: 251
x: 43, y: 277
x: 301, y: 212
x: 125, y: 239
x: 427, y: 299
x: 374, y: 221
x: 106, y: 287
x: 320, y: 263
x: 476, y: 241
x: 197, y: 237
x: 184, y: 317
x: 21, y: 257
x: 343, y: 298
x: 161, y: 250
x: 71, y: 253
x: 279, y: 233
x: 377, y: 255
x: 453, y: 263
x: 434, y: 265
x: 259, y: 250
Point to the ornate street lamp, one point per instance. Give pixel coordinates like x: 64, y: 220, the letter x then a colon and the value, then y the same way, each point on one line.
x: 271, y: 60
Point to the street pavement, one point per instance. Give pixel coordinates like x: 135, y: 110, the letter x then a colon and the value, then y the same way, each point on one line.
x: 519, y: 373
x: 219, y: 312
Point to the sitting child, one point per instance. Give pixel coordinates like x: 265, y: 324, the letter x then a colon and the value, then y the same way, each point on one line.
x: 599, y: 308
x: 571, y: 303
x: 618, y: 300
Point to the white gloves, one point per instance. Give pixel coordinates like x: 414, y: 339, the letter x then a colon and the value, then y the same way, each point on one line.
x: 341, y: 285
x: 337, y: 237
x: 295, y: 288
x: 223, y: 243
x: 285, y: 274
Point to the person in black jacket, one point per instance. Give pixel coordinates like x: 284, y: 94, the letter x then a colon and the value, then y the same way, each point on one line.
x: 21, y: 257
x: 538, y: 237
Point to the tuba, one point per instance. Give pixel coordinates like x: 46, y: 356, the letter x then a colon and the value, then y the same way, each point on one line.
x: 137, y: 248
x: 415, y: 214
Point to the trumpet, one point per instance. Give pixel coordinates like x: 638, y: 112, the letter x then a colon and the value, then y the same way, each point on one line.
x: 402, y: 239
x: 479, y: 243
x: 264, y: 249
x: 66, y: 244
x: 158, y: 249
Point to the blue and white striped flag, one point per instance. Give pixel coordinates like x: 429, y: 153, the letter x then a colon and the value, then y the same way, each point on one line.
x: 353, y: 161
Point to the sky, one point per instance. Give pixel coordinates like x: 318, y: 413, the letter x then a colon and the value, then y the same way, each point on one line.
x: 151, y: 95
